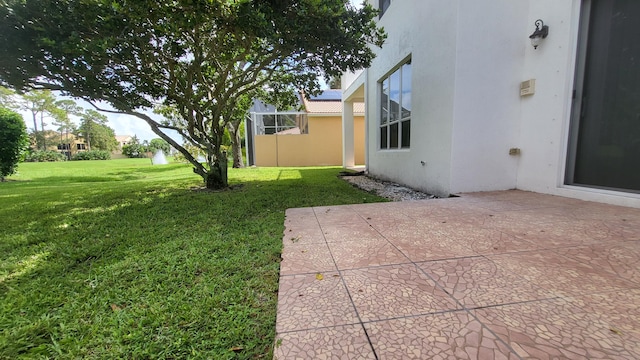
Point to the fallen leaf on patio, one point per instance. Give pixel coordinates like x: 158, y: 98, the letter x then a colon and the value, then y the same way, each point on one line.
x: 319, y: 276
x: 615, y: 331
x: 336, y: 275
x: 303, y: 251
x: 237, y: 348
x: 295, y: 239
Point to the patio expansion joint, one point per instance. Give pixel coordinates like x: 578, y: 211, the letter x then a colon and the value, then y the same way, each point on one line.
x: 437, y: 284
x: 413, y: 316
x: 461, y: 307
x: 318, y: 328
x: 471, y: 308
x: 353, y: 305
x: 468, y: 310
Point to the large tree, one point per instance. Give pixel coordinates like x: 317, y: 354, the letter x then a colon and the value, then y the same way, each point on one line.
x: 198, y: 57
x: 61, y: 114
x: 13, y: 141
x: 41, y: 104
x: 95, y: 131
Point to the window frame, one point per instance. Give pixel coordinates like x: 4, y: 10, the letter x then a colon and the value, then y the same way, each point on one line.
x: 396, y: 121
x: 383, y: 5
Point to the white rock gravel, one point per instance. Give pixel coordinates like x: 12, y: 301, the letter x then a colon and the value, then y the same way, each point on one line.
x: 386, y: 189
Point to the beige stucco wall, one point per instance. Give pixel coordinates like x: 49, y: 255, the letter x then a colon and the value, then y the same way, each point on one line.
x: 321, y: 147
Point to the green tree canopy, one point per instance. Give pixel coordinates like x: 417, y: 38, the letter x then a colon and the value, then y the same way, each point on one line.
x: 134, y: 149
x: 159, y: 144
x: 196, y: 56
x: 97, y: 134
x: 13, y: 141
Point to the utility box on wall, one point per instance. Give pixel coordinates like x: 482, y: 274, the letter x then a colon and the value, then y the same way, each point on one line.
x: 528, y: 87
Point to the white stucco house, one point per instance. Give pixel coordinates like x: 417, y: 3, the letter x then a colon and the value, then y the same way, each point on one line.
x: 458, y: 99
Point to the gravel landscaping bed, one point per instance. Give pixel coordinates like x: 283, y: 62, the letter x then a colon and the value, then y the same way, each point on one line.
x: 386, y: 189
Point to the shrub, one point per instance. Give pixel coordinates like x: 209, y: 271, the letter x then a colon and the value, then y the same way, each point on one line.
x: 92, y: 155
x: 13, y: 141
x: 134, y: 149
x: 44, y: 156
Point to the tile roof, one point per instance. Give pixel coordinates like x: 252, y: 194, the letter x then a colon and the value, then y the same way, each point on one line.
x: 122, y: 138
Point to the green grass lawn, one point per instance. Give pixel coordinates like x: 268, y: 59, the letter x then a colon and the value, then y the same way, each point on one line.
x: 121, y: 259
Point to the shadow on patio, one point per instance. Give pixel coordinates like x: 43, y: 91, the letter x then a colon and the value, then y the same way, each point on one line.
x: 492, y: 275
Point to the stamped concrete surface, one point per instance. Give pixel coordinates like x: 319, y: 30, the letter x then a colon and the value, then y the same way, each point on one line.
x: 496, y: 275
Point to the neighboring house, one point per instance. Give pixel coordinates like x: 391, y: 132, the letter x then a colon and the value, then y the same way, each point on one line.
x: 122, y: 141
x: 312, y: 137
x: 458, y: 99
x: 65, y: 143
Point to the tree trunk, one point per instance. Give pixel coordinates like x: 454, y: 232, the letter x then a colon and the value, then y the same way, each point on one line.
x: 44, y: 139
x: 35, y: 130
x: 236, y: 150
x: 236, y: 143
x: 216, y: 178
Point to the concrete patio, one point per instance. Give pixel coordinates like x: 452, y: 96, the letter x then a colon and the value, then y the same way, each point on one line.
x: 497, y: 275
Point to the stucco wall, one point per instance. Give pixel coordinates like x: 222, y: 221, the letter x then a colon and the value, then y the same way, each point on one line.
x: 426, y: 31
x: 546, y: 115
x: 489, y: 65
x: 322, y: 146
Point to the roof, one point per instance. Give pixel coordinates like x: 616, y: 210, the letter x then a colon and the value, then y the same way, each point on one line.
x: 122, y: 138
x: 328, y: 102
x: 328, y: 95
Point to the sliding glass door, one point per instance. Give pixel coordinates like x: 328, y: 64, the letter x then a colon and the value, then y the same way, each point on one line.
x: 605, y: 131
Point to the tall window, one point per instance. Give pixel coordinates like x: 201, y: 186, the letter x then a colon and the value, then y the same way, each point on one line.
x: 395, y: 109
x: 383, y: 5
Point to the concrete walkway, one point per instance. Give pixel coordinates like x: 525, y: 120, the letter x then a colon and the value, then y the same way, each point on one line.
x: 499, y: 275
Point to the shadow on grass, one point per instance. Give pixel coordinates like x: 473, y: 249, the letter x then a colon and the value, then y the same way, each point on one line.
x: 141, y: 268
x: 152, y: 169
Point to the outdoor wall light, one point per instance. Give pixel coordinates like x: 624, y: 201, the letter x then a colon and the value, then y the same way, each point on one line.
x: 541, y: 32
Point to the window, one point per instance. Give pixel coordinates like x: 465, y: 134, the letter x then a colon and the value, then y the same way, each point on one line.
x: 395, y: 109
x: 383, y: 5
x: 282, y: 124
x: 80, y: 147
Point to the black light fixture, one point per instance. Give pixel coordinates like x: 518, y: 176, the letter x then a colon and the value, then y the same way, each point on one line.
x: 541, y: 32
